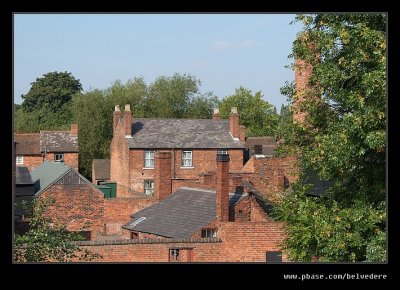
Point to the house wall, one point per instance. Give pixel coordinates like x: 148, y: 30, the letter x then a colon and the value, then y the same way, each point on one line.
x: 32, y: 161
x: 240, y: 242
x: 271, y: 175
x: 203, y: 160
x: 70, y: 158
x: 75, y: 205
x: 117, y: 212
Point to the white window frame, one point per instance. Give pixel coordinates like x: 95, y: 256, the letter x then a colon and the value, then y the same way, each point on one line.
x: 187, y: 161
x: 19, y: 159
x: 222, y: 152
x: 149, y: 186
x: 58, y: 155
x: 149, y: 159
x: 209, y: 233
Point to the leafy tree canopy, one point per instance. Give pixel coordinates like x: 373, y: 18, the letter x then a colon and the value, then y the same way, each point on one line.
x: 256, y: 114
x: 51, y: 92
x: 344, y: 140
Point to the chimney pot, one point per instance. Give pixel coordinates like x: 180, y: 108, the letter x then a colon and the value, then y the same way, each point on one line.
x: 117, y: 108
x: 234, y: 110
x: 127, y: 107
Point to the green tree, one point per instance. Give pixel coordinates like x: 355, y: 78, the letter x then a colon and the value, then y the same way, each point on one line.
x: 93, y: 114
x: 51, y: 92
x: 170, y: 97
x: 45, y: 241
x: 202, y: 106
x: 255, y: 113
x: 343, y: 141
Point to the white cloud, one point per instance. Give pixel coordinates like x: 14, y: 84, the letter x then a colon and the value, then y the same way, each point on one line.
x: 221, y: 45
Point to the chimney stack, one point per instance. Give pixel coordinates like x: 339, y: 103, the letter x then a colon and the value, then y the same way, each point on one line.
x: 234, y: 122
x: 128, y: 120
x: 74, y: 130
x: 242, y: 133
x: 162, y: 174
x: 116, y: 116
x: 303, y: 71
x: 222, y: 188
x: 216, y: 115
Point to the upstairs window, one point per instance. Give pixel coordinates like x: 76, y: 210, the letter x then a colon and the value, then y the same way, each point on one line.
x: 59, y: 157
x: 149, y: 159
x: 19, y: 160
x: 209, y: 233
x: 222, y: 152
x: 187, y: 158
x: 149, y: 187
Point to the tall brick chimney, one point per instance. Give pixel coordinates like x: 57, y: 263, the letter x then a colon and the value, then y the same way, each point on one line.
x: 74, y: 130
x: 162, y: 174
x: 116, y: 116
x: 216, y: 115
x: 234, y: 122
x: 128, y: 120
x: 302, y: 73
x: 242, y: 133
x: 222, y: 188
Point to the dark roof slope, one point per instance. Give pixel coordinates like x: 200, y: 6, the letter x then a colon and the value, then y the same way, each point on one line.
x: 22, y: 175
x: 27, y: 144
x: 182, y: 133
x: 47, y: 173
x: 58, y: 141
x: 180, y: 215
x: 101, y: 168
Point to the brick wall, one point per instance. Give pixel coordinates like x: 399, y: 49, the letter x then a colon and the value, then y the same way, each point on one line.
x: 236, y: 242
x: 203, y: 161
x: 32, y: 161
x: 70, y: 159
x: 138, y: 173
x: 76, y: 205
x: 268, y: 174
x: 119, y: 161
x: 117, y: 212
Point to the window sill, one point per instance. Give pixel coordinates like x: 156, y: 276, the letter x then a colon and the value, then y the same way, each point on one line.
x: 187, y: 167
x: 147, y: 168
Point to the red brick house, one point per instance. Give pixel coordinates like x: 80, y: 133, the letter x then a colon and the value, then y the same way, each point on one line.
x: 197, y: 225
x: 31, y: 149
x: 78, y: 204
x: 193, y: 144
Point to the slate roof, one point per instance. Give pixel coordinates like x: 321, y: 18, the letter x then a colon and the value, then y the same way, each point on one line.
x: 47, y: 173
x: 22, y: 175
x: 58, y: 141
x: 180, y: 215
x: 268, y: 145
x: 23, y: 182
x: 182, y: 133
x: 27, y: 144
x: 101, y: 168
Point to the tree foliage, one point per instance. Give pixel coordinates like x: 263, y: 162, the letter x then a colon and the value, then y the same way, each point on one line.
x: 256, y: 114
x: 51, y: 92
x: 47, y: 105
x: 344, y: 141
x: 46, y: 241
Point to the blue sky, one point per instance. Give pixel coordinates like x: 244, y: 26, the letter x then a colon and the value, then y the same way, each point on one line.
x: 224, y: 51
